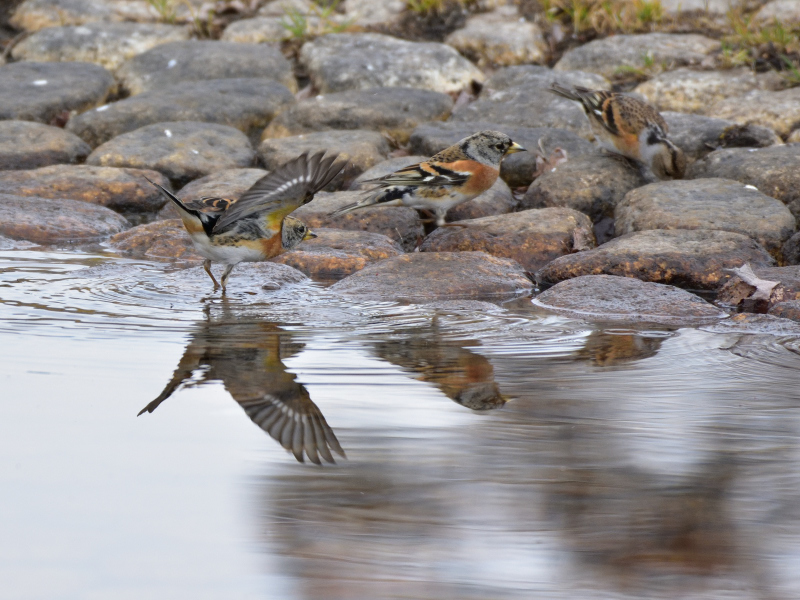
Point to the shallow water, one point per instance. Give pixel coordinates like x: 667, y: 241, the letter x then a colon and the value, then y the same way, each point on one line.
x: 491, y: 452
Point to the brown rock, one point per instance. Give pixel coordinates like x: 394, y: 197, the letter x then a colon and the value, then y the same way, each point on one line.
x: 788, y: 289
x: 779, y: 111
x: 790, y: 251
x: 786, y: 310
x: 27, y: 145
x: 427, y: 276
x: 55, y: 221
x: 159, y: 240
x: 693, y: 259
x: 532, y: 237
x: 335, y: 253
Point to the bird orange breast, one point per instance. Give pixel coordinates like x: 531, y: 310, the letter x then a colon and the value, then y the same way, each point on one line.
x: 271, y: 247
x: 483, y: 176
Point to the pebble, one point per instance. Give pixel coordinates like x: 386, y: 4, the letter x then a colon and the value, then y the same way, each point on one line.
x: 27, y: 145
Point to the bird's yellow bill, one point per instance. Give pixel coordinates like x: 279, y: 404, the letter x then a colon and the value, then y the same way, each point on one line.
x: 515, y: 147
x: 310, y: 235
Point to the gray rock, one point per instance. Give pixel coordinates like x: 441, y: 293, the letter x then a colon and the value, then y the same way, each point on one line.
x: 689, y: 91
x: 361, y: 150
x: 106, y: 44
x: 543, y: 78
x: 394, y: 111
x: 195, y: 60
x: 612, y: 55
x: 122, y: 190
x: 698, y: 135
x: 257, y: 30
x: 593, y: 184
x: 532, y: 237
x: 781, y: 10
x: 27, y: 145
x: 162, y: 240
x: 775, y: 171
x: 694, y: 259
x: 790, y: 252
x: 372, y: 12
x: 719, y: 204
x: 398, y: 223
x: 247, y: 104
x: 786, y: 310
x: 344, y: 61
x: 711, y: 7
x: 32, y: 91
x: 427, y: 276
x: 518, y: 169
x: 612, y: 298
x: 182, y: 150
x: 33, y: 15
x: 279, y: 8
x: 56, y: 221
x: 779, y: 111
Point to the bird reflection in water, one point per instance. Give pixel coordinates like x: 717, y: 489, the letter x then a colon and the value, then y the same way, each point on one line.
x: 247, y: 357
x: 608, y: 349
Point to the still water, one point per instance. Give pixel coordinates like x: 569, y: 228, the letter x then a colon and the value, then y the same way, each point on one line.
x: 468, y: 451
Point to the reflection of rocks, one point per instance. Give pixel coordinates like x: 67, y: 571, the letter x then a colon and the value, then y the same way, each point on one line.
x: 610, y: 349
x: 160, y: 240
x: 247, y: 357
x: 27, y: 145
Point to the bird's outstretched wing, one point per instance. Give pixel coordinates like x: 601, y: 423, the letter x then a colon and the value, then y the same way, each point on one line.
x: 285, y: 189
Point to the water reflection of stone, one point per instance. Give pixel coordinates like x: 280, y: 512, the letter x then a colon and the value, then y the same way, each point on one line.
x: 607, y: 349
x: 247, y: 355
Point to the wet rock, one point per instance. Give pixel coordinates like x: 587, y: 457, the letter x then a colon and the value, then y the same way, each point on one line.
x: 736, y: 290
x: 790, y: 252
x: 253, y: 279
x: 9, y: 244
x: 257, y: 30
x: 55, y: 221
x: 775, y: 171
x: 230, y: 183
x: 106, y: 44
x: 755, y: 325
x: 182, y: 150
x: 698, y: 135
x: 27, y: 145
x: 779, y: 111
x: 122, y: 190
x: 426, y: 276
x: 247, y: 104
x: 343, y: 61
x: 532, y: 237
x: 161, y: 240
x: 719, y: 204
x: 786, y: 11
x: 786, y: 310
x: 33, y: 15
x: 592, y: 184
x: 691, y: 259
x: 612, y: 55
x: 689, y: 91
x: 500, y: 38
x: 518, y: 169
x: 31, y: 91
x: 612, y: 298
x: 335, y: 253
x: 394, y: 111
x: 195, y: 60
x: 361, y: 149
x: 398, y: 223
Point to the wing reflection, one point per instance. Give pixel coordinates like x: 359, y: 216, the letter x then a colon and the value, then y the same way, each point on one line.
x: 247, y: 357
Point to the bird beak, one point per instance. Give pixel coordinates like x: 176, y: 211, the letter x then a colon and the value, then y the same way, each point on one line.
x: 310, y: 235
x: 515, y: 147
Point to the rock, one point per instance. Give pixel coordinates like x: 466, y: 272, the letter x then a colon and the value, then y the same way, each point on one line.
x: 106, y: 44
x: 247, y: 104
x: 775, y: 171
x: 162, y: 240
x: 787, y: 289
x: 712, y: 7
x: 613, y: 55
x: 122, y: 190
x: 27, y: 145
x: 518, y: 169
x: 56, y: 221
x: 786, y: 11
x: 344, y: 61
x: 790, y: 252
x: 33, y: 15
x: 779, y: 111
x: 612, y: 298
x: 698, y: 135
x: 536, y: 76
x: 183, y: 150
x: 31, y: 91
x: 532, y: 237
x: 500, y: 38
x: 258, y: 30
x: 691, y: 259
x: 230, y: 183
x: 361, y: 150
x: 428, y: 276
x: 719, y: 204
x: 372, y: 12
x: 749, y: 324
x: 9, y: 244
x: 335, y: 254
x: 196, y: 60
x: 279, y: 8
x: 394, y: 111
x: 398, y: 223
x: 592, y: 184
x: 786, y: 310
x: 688, y: 91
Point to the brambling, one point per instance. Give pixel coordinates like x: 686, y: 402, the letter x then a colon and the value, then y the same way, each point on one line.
x: 630, y: 127
x: 449, y: 178
x: 256, y: 227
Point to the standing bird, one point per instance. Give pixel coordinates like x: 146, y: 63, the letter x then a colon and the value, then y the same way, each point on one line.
x: 256, y: 226
x: 633, y: 128
x: 453, y: 176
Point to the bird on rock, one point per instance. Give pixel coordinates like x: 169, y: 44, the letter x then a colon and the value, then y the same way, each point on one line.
x: 628, y: 126
x: 453, y: 176
x: 256, y: 227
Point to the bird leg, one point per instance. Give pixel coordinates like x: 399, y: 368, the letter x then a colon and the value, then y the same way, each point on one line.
x: 225, y: 276
x: 207, y: 267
